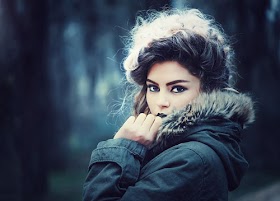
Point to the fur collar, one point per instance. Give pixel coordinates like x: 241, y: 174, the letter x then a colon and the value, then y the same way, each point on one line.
x: 226, y: 104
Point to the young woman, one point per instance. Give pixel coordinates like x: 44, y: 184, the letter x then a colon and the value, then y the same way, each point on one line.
x: 183, y: 141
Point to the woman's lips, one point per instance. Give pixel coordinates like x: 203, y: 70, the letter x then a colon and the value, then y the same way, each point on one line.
x: 162, y: 115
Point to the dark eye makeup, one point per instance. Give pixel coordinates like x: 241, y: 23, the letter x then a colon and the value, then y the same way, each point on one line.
x: 174, y: 89
x: 152, y: 88
x: 178, y: 89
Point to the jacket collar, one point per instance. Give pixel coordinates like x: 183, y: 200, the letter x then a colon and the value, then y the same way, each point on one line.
x: 224, y: 104
x: 214, y: 119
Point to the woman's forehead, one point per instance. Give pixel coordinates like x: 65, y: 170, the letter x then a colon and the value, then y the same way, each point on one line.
x: 169, y: 71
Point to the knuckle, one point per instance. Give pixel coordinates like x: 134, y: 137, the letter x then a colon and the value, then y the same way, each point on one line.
x: 140, y: 135
x: 132, y: 130
x: 158, y: 120
x: 151, y: 116
x: 129, y: 129
x: 140, y: 138
x: 131, y: 118
x: 148, y: 142
x: 152, y: 134
x: 143, y: 130
x: 141, y: 115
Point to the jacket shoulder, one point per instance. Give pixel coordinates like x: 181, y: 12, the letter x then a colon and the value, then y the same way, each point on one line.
x: 192, y: 152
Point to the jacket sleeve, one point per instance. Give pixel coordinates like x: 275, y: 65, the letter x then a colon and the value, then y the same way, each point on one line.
x: 114, y: 166
x: 115, y: 174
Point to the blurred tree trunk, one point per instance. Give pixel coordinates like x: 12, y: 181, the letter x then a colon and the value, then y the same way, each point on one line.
x: 258, y: 48
x: 10, y: 186
x: 30, y: 100
x: 35, y: 99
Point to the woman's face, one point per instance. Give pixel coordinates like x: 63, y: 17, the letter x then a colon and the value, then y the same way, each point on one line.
x: 170, y: 86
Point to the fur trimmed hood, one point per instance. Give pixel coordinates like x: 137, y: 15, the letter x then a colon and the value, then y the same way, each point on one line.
x: 226, y: 104
x: 216, y: 120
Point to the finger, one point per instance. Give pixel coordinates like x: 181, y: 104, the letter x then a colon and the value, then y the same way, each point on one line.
x: 123, y: 130
x: 129, y: 121
x: 140, y: 119
x: 155, y: 126
x: 148, y: 122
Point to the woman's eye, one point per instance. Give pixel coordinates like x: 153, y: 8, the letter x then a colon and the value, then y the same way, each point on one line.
x: 178, y: 89
x: 153, y: 88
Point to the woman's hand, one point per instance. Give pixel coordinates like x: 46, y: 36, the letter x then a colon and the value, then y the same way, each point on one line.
x: 142, y: 129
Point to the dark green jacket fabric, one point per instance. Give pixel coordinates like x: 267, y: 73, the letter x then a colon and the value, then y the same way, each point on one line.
x: 195, y: 157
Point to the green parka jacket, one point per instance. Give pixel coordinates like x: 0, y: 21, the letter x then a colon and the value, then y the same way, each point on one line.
x: 196, y: 156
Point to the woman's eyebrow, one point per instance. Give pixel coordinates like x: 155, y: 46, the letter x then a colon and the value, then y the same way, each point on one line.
x: 169, y: 83
x: 148, y: 80
x: 176, y: 82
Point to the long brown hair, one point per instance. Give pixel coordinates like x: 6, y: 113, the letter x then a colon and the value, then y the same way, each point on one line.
x: 140, y: 102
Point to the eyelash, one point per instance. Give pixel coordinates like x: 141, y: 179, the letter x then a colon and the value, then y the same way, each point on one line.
x: 156, y: 88
x: 181, y: 89
x: 150, y: 86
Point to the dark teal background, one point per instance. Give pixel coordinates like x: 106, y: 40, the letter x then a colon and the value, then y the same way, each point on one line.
x: 61, y: 82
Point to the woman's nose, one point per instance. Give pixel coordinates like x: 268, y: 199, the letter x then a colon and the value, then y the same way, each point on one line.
x: 163, y: 101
